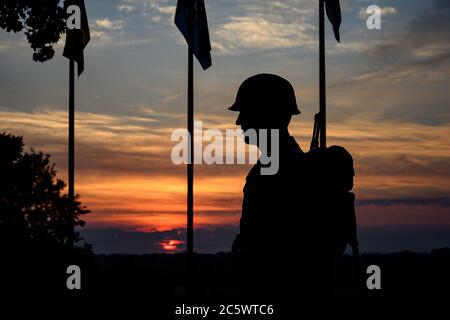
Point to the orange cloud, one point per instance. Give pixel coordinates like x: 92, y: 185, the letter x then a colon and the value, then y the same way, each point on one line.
x: 125, y: 175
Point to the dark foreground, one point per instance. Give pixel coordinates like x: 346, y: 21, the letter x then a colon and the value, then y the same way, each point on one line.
x: 157, y: 282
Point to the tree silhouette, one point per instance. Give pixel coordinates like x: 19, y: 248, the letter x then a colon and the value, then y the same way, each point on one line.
x: 42, y: 20
x: 32, y: 209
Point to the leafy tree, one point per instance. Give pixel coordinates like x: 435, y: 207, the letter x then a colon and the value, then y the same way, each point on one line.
x: 32, y: 209
x: 42, y: 20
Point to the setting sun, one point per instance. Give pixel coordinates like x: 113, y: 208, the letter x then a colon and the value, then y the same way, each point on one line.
x: 171, y: 245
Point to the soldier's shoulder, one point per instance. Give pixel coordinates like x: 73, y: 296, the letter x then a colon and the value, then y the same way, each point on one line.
x: 296, y: 159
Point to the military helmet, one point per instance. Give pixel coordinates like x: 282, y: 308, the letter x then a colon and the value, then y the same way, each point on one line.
x: 267, y: 94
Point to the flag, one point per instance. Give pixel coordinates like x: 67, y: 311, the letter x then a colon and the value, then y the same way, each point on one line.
x: 77, y: 39
x: 333, y: 9
x: 201, y: 45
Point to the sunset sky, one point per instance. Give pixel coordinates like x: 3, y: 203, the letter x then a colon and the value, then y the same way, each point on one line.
x: 388, y: 102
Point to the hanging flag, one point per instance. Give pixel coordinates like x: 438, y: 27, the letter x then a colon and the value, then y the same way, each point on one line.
x: 77, y: 39
x: 333, y: 9
x: 201, y: 45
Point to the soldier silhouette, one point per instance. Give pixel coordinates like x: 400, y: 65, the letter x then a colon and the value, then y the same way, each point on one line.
x: 265, y: 101
x: 284, y: 236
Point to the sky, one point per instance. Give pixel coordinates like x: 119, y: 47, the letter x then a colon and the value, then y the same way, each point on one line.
x: 388, y: 104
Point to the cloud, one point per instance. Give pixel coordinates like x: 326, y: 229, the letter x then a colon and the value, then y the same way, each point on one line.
x: 159, y: 11
x: 5, y: 46
x: 242, y: 33
x: 425, y: 42
x: 388, y: 11
x: 107, y: 32
x: 109, y: 24
x: 253, y: 26
x: 163, y: 14
x: 248, y: 26
x: 169, y: 10
x: 99, y: 37
x: 401, y: 75
x: 125, y: 175
x: 125, y: 8
x: 442, y: 202
x: 385, y: 11
x: 15, y: 42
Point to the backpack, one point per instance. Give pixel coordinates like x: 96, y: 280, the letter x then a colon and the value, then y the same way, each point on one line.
x: 332, y: 173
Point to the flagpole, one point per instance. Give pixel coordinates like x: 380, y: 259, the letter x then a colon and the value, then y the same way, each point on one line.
x: 323, y: 111
x: 190, y: 166
x: 71, y: 151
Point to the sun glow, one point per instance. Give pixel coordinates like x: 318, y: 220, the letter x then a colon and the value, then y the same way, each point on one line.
x: 171, y: 245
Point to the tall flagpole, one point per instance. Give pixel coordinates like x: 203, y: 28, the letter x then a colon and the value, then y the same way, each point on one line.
x: 71, y: 151
x: 190, y: 166
x: 190, y: 13
x: 323, y: 102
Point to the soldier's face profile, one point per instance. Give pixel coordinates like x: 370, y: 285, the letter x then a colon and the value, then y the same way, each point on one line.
x: 247, y: 121
x: 243, y: 121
